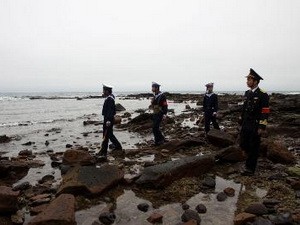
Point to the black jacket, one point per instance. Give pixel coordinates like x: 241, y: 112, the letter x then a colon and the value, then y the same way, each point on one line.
x: 109, y: 108
x: 210, y: 103
x: 160, y: 102
x: 255, y: 109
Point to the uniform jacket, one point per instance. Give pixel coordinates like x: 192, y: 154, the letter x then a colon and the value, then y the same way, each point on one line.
x: 255, y: 109
x: 159, y: 104
x: 109, y: 108
x: 210, y: 102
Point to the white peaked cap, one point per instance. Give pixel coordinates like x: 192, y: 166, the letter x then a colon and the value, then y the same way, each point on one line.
x: 209, y: 84
x: 107, y: 86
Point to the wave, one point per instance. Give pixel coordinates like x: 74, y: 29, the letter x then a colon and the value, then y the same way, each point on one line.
x: 29, y: 123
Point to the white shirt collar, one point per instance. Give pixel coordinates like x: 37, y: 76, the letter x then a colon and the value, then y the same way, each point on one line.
x: 253, y: 90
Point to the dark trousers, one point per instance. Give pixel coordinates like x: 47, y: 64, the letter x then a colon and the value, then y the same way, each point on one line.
x: 208, y: 117
x: 108, y: 135
x: 249, y: 142
x: 158, y: 136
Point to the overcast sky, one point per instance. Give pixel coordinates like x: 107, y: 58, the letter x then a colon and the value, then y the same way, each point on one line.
x: 60, y: 45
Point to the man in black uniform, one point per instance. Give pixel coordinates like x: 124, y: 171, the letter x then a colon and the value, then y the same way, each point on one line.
x: 108, y: 112
x: 210, y: 107
x: 160, y: 108
x: 253, y: 120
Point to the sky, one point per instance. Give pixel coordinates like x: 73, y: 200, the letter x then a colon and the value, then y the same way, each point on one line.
x: 72, y: 45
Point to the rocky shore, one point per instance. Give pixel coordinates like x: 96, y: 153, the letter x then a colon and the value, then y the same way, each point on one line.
x: 191, y: 179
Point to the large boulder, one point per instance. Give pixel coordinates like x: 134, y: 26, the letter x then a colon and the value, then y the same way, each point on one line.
x: 243, y: 218
x: 119, y: 107
x: 231, y: 154
x: 176, y: 145
x: 4, y: 139
x: 165, y: 173
x: 19, y: 168
x: 61, y: 211
x: 89, y: 180
x: 81, y: 157
x: 220, y: 138
x: 277, y: 152
x: 8, y: 200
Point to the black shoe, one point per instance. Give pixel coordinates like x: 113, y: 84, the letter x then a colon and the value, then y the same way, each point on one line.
x: 247, y: 172
x: 102, y: 158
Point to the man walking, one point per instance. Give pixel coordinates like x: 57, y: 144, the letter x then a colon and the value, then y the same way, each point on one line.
x: 210, y: 107
x: 108, y: 112
x: 253, y: 120
x: 160, y: 108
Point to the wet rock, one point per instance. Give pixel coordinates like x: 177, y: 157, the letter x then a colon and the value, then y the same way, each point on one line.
x: 91, y: 122
x: 4, y: 139
x: 201, y: 209
x: 230, y: 192
x: 90, y: 180
x: 8, y: 200
x: 271, y: 203
x: 185, y: 206
x: 209, y: 182
x: 38, y: 209
x: 243, y: 218
x: 126, y: 115
x: 219, y: 138
x: 18, y: 218
x: 120, y: 108
x: 277, y: 152
x: 231, y: 154
x: 257, y: 209
x: 60, y: 211
x: 29, y: 143
x: 69, y: 146
x: 21, y: 187
x: 262, y: 221
x: 40, y: 199
x: 282, y: 219
x: 187, y: 107
x: 165, y: 173
x: 143, y: 207
x: 107, y: 218
x: 25, y: 152
x: 74, y: 157
x: 176, y: 145
x: 190, y: 222
x: 190, y: 215
x: 155, y: 218
x: 46, y: 178
x: 221, y: 197
x: 47, y: 143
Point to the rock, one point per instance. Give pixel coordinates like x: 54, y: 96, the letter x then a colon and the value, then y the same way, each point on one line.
x: 209, y: 182
x: 4, y: 139
x: 29, y: 143
x: 231, y: 154
x: 257, y: 209
x: 163, y: 174
x: 47, y: 143
x: 270, y: 203
x: 7, y: 167
x: 46, y: 178
x: 60, y: 211
x: 91, y: 122
x: 221, y: 197
x: 64, y: 169
x: 243, y: 218
x: 282, y: 219
x: 155, y: 218
x: 176, y: 145
x: 187, y: 107
x: 25, y: 152
x: 277, y: 152
x: 294, y: 171
x: 69, y: 146
x: 8, y: 200
x: 38, y: 209
x: 201, y: 209
x: 185, y: 206
x: 230, y: 192
x: 74, y: 157
x: 262, y: 221
x: 191, y: 222
x: 120, y: 108
x: 90, y: 180
x: 190, y: 215
x: 21, y: 187
x: 220, y: 138
x: 18, y: 218
x: 143, y: 207
x: 107, y: 218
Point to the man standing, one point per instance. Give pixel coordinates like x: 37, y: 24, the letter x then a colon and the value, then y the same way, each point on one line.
x: 108, y: 112
x: 160, y: 108
x: 253, y: 120
x: 210, y: 107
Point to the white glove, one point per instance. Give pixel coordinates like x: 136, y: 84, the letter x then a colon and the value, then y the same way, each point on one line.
x: 214, y: 113
x: 108, y: 123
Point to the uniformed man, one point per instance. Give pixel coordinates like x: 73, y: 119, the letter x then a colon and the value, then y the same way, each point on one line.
x: 160, y: 108
x: 108, y: 112
x: 253, y: 120
x: 210, y: 107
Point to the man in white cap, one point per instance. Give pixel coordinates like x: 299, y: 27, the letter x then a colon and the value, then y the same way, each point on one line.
x: 160, y: 108
x: 210, y: 107
x: 108, y: 112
